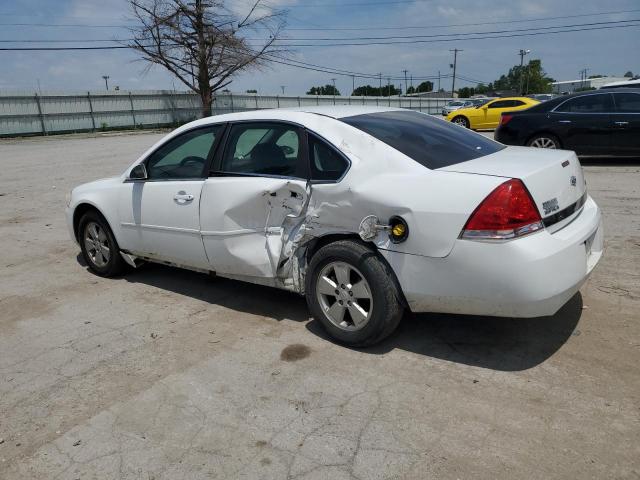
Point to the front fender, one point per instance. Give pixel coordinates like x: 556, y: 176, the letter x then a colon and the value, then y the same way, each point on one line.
x: 101, y: 195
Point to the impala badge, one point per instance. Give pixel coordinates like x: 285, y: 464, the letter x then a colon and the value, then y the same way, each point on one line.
x: 550, y: 206
x: 573, y: 181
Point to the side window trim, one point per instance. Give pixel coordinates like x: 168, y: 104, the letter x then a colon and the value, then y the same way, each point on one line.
x: 210, y: 154
x: 215, y: 168
x: 311, y: 133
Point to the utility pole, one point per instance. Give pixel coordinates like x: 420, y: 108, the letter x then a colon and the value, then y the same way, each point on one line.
x: 438, y: 80
x: 334, y: 88
x: 522, y: 54
x: 380, y: 84
x: 388, y: 87
x: 405, y: 82
x: 583, y: 77
x: 353, y: 84
x: 106, y: 81
x: 282, y: 87
x: 455, y: 63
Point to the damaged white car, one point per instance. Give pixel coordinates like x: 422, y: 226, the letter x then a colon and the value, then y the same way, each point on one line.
x: 365, y: 211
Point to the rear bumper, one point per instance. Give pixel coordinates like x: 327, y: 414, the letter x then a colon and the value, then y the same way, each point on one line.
x: 507, y: 136
x: 529, y: 277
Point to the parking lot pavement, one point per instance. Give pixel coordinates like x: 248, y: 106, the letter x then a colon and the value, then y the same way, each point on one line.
x: 169, y: 374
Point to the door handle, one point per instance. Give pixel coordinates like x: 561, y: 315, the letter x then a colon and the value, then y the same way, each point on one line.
x: 621, y: 124
x: 182, y: 197
x: 564, y: 121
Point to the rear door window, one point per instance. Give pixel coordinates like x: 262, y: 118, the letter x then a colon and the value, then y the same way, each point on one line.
x: 587, y: 104
x: 264, y: 149
x: 627, y: 102
x: 430, y: 141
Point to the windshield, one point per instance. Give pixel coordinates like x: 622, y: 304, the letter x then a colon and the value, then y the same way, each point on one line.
x: 430, y: 141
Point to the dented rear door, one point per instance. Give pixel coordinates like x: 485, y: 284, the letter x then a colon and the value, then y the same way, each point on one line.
x: 243, y: 222
x: 255, y: 195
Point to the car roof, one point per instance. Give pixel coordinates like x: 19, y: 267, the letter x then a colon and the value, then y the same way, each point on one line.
x: 514, y: 98
x: 550, y: 104
x: 332, y: 111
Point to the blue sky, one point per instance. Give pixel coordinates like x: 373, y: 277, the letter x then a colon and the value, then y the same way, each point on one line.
x: 608, y: 52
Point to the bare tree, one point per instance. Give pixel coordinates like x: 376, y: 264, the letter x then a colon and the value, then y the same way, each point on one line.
x: 202, y: 42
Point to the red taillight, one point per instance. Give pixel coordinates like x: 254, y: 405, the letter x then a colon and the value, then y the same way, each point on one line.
x: 508, y: 212
x: 505, y: 118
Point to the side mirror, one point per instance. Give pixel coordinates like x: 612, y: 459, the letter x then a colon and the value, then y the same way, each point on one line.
x: 139, y: 172
x: 484, y: 107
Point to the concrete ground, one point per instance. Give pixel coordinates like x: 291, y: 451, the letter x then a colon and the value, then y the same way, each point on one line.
x: 169, y: 374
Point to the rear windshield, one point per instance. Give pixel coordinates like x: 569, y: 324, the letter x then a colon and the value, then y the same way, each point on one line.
x: 430, y: 141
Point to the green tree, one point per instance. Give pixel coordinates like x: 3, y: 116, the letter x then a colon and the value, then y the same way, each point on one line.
x: 411, y: 90
x: 629, y: 74
x: 425, y: 87
x: 369, y: 91
x: 324, y: 90
x: 534, y: 79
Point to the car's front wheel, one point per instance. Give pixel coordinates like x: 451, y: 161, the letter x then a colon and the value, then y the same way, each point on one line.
x: 99, y: 247
x: 351, y: 292
x: 543, y: 141
x: 462, y: 121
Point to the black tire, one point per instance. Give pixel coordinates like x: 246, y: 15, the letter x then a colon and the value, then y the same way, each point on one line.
x: 539, y: 139
x: 115, y: 264
x: 462, y: 121
x: 386, y: 310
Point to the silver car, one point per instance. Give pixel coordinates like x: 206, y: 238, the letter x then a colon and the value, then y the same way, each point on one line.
x: 455, y: 105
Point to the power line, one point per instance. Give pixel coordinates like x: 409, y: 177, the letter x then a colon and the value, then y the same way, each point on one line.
x: 348, y: 72
x: 79, y: 25
x: 392, y: 37
x: 340, y: 4
x: 319, y: 68
x: 404, y: 42
x: 75, y: 40
x: 462, y: 39
x: 452, y: 25
x: 329, y: 28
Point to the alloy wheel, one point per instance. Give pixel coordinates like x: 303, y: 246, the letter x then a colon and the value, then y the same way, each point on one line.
x: 460, y: 121
x: 96, y: 244
x: 344, y: 296
x: 543, y: 142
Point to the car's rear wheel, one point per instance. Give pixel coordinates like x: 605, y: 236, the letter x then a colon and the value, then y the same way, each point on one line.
x: 544, y: 141
x: 99, y: 247
x: 351, y: 292
x: 462, y: 121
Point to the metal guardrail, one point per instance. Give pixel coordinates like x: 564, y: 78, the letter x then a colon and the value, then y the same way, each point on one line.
x: 25, y: 113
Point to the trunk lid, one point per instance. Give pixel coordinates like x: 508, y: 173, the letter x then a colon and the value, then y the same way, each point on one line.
x: 553, y: 177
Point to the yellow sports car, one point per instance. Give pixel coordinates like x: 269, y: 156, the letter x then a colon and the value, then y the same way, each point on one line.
x: 488, y: 115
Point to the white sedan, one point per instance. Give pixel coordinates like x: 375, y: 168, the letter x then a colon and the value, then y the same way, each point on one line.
x: 365, y: 211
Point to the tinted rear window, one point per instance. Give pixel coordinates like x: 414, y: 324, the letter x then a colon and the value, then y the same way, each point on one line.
x: 432, y: 142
